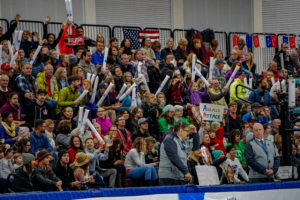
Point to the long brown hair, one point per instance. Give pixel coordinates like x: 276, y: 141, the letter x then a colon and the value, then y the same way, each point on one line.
x: 139, y: 144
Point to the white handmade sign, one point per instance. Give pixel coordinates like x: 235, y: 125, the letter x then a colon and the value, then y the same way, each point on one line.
x: 207, y: 175
x: 211, y: 112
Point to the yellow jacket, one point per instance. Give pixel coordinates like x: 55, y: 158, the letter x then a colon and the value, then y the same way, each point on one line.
x: 241, y: 91
x: 41, y: 82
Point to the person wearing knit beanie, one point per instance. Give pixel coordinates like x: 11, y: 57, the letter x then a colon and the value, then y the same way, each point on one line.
x: 216, y: 154
x: 27, y: 158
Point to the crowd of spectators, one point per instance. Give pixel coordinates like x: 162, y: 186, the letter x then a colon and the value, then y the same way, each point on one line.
x: 161, y: 139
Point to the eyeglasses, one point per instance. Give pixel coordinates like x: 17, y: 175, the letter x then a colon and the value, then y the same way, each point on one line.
x: 114, y: 130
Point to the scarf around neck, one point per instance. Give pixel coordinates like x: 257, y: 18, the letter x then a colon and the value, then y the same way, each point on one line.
x: 10, y: 130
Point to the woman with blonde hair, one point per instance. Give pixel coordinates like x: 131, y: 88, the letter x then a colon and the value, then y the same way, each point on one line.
x: 268, y: 79
x: 61, y: 77
x: 169, y: 49
x: 248, y: 65
x: 78, y: 71
x: 5, y: 52
x: 219, y: 54
x: 161, y: 101
x: 187, y: 65
x: 91, y: 105
x: 135, y: 163
x: 180, y: 52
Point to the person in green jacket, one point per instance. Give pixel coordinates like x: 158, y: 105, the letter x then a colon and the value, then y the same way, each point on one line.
x: 234, y: 139
x: 68, y: 95
x: 166, y: 120
x: 178, y: 115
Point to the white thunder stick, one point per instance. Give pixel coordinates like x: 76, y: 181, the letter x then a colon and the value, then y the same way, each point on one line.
x: 162, y: 85
x: 292, y: 92
x: 202, y: 77
x: 88, y: 76
x: 193, y: 67
x: 82, y: 95
x: 246, y: 90
x: 105, y: 94
x: 0, y: 53
x: 89, y: 123
x: 85, y: 117
x: 15, y: 39
x: 11, y: 52
x: 122, y: 91
x: 250, y: 82
x: 211, y: 67
x: 79, y: 121
x: 145, y: 82
x: 93, y: 79
x: 231, y: 77
x: 139, y: 68
x: 19, y: 39
x: 71, y: 10
x: 127, y: 92
x: 281, y: 61
x: 105, y: 59
x: 37, y: 51
x: 68, y: 9
x: 273, y: 80
x: 13, y: 59
x: 133, y: 98
x: 95, y: 89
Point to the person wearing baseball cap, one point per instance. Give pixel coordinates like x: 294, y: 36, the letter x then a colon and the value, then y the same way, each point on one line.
x: 46, y: 180
x: 5, y: 66
x: 142, y: 130
x: 257, y: 114
x: 167, y: 120
x: 219, y: 73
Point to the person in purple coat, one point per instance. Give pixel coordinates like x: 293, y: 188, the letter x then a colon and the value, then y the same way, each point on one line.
x: 229, y: 72
x: 197, y: 96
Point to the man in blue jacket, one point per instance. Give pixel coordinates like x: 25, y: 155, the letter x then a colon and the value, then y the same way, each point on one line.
x: 38, y: 139
x: 256, y: 114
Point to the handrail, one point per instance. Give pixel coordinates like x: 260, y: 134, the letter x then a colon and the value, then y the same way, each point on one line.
x: 236, y: 92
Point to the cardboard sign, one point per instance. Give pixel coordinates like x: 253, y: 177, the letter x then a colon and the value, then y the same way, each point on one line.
x: 207, y: 175
x: 74, y: 40
x: 212, y: 112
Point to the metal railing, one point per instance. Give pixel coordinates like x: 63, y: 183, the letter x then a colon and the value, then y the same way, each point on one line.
x: 32, y: 26
x: 92, y: 30
x: 4, y: 23
x: 223, y: 41
x: 178, y: 34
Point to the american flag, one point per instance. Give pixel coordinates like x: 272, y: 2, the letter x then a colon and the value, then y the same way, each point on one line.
x: 136, y: 36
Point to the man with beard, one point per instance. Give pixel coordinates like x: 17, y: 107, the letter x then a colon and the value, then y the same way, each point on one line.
x: 68, y: 95
x: 86, y: 64
x: 256, y: 114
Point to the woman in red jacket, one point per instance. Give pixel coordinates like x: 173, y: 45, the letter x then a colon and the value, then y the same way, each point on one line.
x: 75, y: 145
x: 63, y: 42
x: 216, y: 135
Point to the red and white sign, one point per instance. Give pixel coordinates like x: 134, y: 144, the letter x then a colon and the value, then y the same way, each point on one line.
x: 74, y: 40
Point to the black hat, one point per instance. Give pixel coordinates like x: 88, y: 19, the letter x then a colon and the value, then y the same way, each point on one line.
x: 102, y: 86
x: 42, y: 91
x: 256, y: 105
x: 61, y: 153
x: 41, y: 155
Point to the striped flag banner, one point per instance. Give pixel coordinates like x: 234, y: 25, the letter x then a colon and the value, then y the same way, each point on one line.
x: 152, y: 34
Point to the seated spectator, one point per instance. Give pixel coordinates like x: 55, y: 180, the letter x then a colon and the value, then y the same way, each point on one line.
x: 178, y: 116
x: 161, y: 101
x: 125, y: 47
x: 27, y: 44
x: 234, y: 139
x: 68, y: 95
x: 125, y: 64
x: 112, y: 134
x: 166, y: 120
x: 8, y: 129
x: 213, y: 48
x: 103, y: 120
x: 230, y: 71
x: 156, y: 46
x: 180, y: 52
x: 40, y: 109
x: 95, y: 157
x: 12, y: 106
x: 262, y: 156
x: 49, y: 132
x: 232, y: 58
x: 137, y: 113
x: 168, y: 66
x: 219, y: 54
x: 86, y: 64
x: 235, y: 165
x: 248, y: 65
x: 6, y: 167
x: 23, y: 146
x: 169, y: 49
x: 257, y: 114
x: 267, y: 132
x: 276, y: 123
x: 38, y: 139
x: 24, y: 177
x: 142, y: 130
x: 113, y: 56
x: 98, y: 56
x: 74, y: 146
x: 5, y: 52
x: 196, y: 94
x: 240, y: 47
x: 173, y: 169
x: 295, y: 55
x: 216, y: 94
x: 124, y: 134
x: 146, y: 49
x: 5, y: 91
x: 196, y: 49
x: 135, y: 163
x: 187, y: 66
x: 219, y: 73
x: 61, y: 78
x: 65, y: 172
x: 68, y: 114
x: 273, y: 67
x: 18, y: 162
x: 140, y: 57
x: 151, y: 154
x: 246, y: 107
x: 46, y: 179
x: 64, y: 133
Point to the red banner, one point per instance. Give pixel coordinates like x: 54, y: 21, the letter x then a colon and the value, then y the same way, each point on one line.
x: 75, y: 40
x: 256, y: 41
x: 274, y: 41
x: 235, y: 40
x: 292, y: 42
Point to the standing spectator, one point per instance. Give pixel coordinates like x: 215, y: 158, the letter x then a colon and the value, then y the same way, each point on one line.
x: 46, y: 180
x: 146, y: 49
x: 180, y: 52
x: 262, y: 156
x: 135, y: 163
x: 124, y: 134
x: 98, y: 56
x: 179, y: 114
x: 5, y: 91
x: 11, y: 30
x: 276, y: 123
x: 166, y: 120
x: 85, y: 63
x: 38, y: 139
x: 214, y: 47
x: 173, y: 168
x: 50, y: 37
